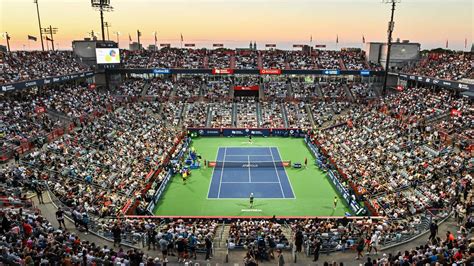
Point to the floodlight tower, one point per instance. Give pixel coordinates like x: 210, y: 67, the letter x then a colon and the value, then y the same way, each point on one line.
x: 102, y: 6
x: 108, y: 25
x: 39, y: 23
x: 391, y: 25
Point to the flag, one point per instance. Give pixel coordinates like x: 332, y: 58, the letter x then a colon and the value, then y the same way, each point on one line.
x: 182, y: 39
x: 311, y: 38
x: 33, y: 38
x: 48, y: 39
x: 447, y: 43
x: 155, y: 38
x: 337, y: 38
x: 465, y: 43
x: 139, y: 33
x: 129, y: 38
x: 363, y: 39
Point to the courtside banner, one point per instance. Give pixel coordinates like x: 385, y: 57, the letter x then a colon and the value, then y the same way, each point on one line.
x: 271, y: 45
x: 270, y: 71
x: 205, y: 131
x: 189, y: 45
x: 222, y: 71
x: 227, y: 132
x: 217, y: 45
x: 44, y: 81
x: 247, y: 88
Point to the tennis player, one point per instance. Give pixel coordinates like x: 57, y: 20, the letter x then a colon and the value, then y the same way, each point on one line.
x: 250, y: 138
x: 335, y: 201
x: 251, y: 200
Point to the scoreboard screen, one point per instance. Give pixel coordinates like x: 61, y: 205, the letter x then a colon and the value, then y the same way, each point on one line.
x: 107, y: 55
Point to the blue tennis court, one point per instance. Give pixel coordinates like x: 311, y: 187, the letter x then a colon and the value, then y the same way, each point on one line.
x: 240, y: 171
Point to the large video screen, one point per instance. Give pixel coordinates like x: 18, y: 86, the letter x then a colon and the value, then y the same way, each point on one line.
x: 107, y: 55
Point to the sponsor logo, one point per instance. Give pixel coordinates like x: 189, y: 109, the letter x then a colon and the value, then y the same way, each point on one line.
x: 47, y: 81
x: 331, y: 72
x: 463, y: 86
x: 56, y: 79
x: 161, y: 71
x: 412, y: 77
x: 31, y: 83
x: 8, y: 88
x: 222, y: 71
x: 256, y: 132
x: 270, y: 71
x: 435, y: 81
x: 365, y: 72
x: 201, y: 132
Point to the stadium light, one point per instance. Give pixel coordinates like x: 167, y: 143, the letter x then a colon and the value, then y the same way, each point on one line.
x: 108, y: 25
x: 102, y: 6
x: 39, y: 23
x: 51, y: 31
x: 391, y: 25
x: 118, y: 34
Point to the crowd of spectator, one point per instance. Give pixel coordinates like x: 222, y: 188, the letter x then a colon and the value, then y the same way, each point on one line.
x: 386, y: 155
x: 447, y: 65
x: 361, y: 90
x: 354, y: 59
x: 275, y: 89
x: 333, y: 90
x: 29, y: 65
x: 246, y: 233
x: 272, y: 115
x: 247, y: 113
x: 298, y: 116
x: 94, y: 156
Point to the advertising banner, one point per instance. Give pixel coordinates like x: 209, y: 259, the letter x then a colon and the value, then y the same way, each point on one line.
x: 217, y: 45
x: 365, y: 72
x: 438, y: 82
x: 271, y: 45
x: 270, y: 71
x: 245, y: 132
x: 44, y: 81
x: 247, y: 88
x: 189, y: 45
x: 161, y: 71
x: 331, y: 72
x: 222, y: 71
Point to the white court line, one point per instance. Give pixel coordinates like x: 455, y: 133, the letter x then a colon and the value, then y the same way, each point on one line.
x: 249, y: 183
x: 250, y: 176
x: 249, y: 155
x: 222, y: 172
x: 287, y: 176
x: 212, y: 176
x: 278, y: 175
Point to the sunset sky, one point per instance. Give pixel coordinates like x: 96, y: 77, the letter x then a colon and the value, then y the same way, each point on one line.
x: 236, y: 22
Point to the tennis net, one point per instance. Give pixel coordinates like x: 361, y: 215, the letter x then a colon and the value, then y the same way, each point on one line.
x: 247, y: 164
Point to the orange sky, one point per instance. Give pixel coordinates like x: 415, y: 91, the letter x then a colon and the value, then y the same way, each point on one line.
x: 236, y: 22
